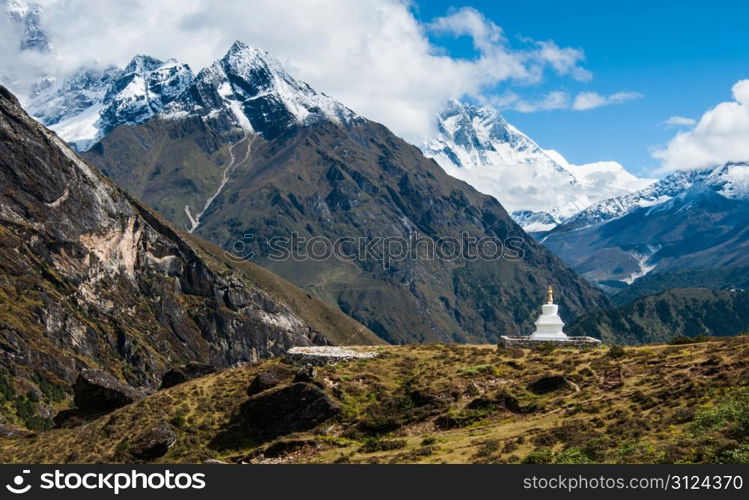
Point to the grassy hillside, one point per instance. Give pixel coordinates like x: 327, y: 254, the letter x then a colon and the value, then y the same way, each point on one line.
x: 455, y: 404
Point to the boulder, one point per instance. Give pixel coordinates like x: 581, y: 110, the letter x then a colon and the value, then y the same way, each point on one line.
x: 154, y: 442
x: 267, y: 379
x: 307, y: 373
x: 431, y: 398
x: 548, y: 383
x: 11, y: 431
x: 97, y: 392
x: 66, y: 419
x: 183, y: 373
x: 498, y: 401
x: 292, y: 408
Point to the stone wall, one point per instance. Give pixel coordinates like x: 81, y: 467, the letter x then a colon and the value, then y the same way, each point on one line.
x: 324, y: 355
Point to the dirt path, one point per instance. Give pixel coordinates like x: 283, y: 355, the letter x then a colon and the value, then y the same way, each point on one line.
x: 233, y: 163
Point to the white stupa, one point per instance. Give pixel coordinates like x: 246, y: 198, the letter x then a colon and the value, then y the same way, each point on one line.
x: 548, y: 329
x: 549, y: 325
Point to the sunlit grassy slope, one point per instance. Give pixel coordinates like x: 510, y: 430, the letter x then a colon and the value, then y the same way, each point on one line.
x: 456, y: 404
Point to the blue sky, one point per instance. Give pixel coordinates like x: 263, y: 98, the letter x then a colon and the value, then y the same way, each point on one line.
x: 683, y: 57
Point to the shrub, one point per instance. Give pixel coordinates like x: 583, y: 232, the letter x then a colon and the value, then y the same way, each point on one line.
x: 730, y: 415
x: 736, y: 456
x: 374, y: 444
x: 488, y: 447
x: 681, y: 340
x: 428, y: 440
x: 178, y: 420
x: 573, y: 455
x: 616, y: 352
x: 538, y: 457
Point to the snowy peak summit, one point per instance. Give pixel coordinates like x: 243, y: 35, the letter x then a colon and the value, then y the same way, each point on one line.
x: 144, y: 87
x: 472, y: 136
x: 250, y: 87
x: 90, y: 103
x: 478, y: 145
x: 141, y: 64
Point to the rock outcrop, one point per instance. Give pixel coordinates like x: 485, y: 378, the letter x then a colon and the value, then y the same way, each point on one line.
x: 292, y: 408
x: 97, y: 392
x: 307, y: 373
x: 500, y: 400
x: 183, y: 373
x: 548, y: 383
x: 11, y: 431
x: 267, y: 380
x: 154, y: 442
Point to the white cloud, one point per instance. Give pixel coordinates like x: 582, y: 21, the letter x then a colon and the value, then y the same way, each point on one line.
x: 591, y: 100
x: 720, y: 135
x: 373, y: 55
x: 468, y: 21
x: 556, y: 99
x: 680, y: 121
x: 564, y: 61
x: 559, y: 99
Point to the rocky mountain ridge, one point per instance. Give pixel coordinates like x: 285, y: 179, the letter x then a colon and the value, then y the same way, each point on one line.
x: 85, y: 107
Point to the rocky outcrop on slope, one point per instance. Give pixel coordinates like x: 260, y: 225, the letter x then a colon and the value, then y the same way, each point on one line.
x: 154, y: 442
x: 293, y: 408
x: 183, y: 373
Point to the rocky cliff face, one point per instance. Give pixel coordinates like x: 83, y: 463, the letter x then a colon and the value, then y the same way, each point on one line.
x: 89, y: 278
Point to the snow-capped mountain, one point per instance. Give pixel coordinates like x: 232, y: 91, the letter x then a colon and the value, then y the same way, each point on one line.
x: 88, y: 105
x: 535, y: 222
x: 477, y: 145
x: 145, y: 86
x: 52, y: 101
x: 247, y: 88
x: 690, y: 219
x: 730, y: 180
x: 25, y: 17
x: 250, y: 88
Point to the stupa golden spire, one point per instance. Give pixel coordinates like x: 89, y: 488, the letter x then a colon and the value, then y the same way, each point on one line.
x: 549, y: 295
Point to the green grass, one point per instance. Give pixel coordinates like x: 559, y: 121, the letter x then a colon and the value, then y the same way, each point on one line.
x: 678, y: 404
